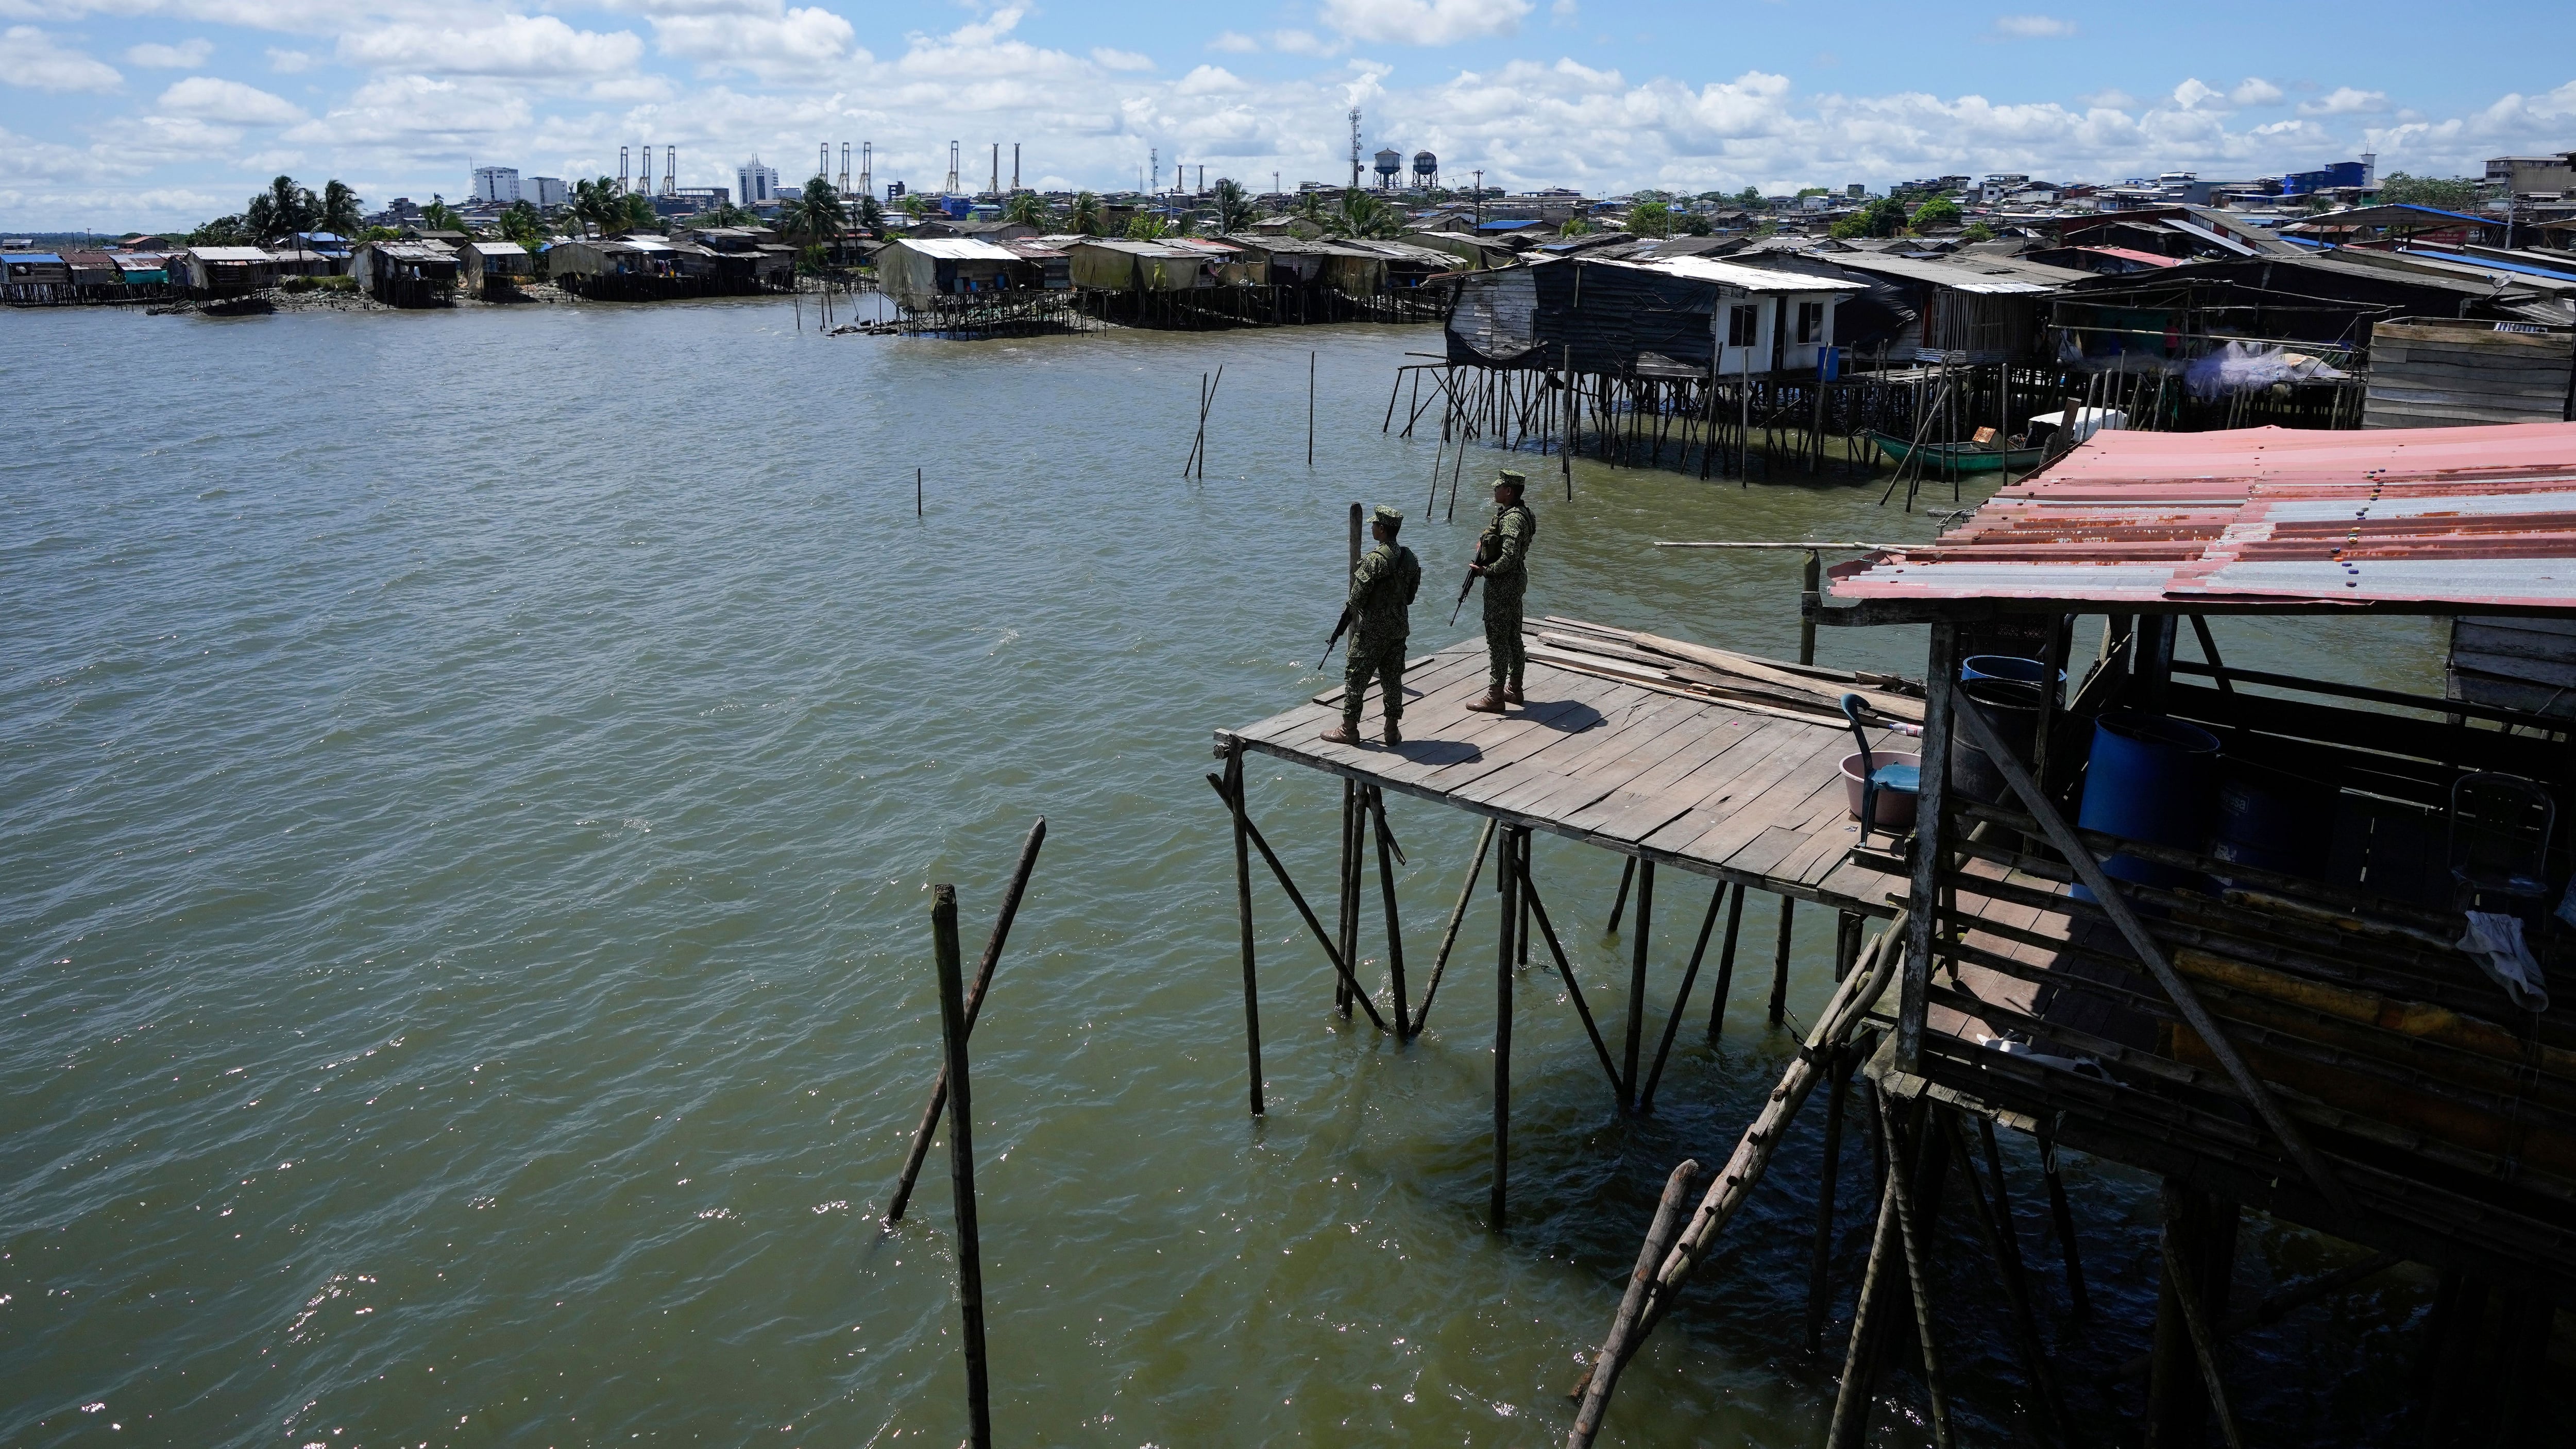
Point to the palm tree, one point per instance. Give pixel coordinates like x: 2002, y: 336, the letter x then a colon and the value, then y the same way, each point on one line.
x: 439, y: 216
x: 1084, y: 218
x: 279, y: 212
x: 1234, y: 209
x: 1027, y: 208
x: 916, y: 205
x: 1310, y: 208
x: 1363, y: 215
x: 338, y: 213
x: 598, y: 205
x: 869, y: 217
x: 1147, y: 226
x: 817, y: 214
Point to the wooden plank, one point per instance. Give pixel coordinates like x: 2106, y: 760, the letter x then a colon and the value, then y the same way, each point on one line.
x: 1716, y: 780
x: 1711, y: 832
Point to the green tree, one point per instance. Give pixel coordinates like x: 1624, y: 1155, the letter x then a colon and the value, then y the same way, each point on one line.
x: 1147, y: 226
x: 339, y: 211
x: 1363, y: 215
x: 279, y: 212
x: 439, y: 216
x: 1939, y: 211
x: 1083, y: 219
x: 1028, y: 209
x: 867, y: 216
x: 2447, y: 193
x: 1749, y: 198
x: 1650, y: 218
x: 521, y: 223
x: 1806, y: 191
x: 1310, y: 208
x: 1234, y: 209
x: 1575, y: 226
x: 725, y: 214
x: 817, y: 214
x: 1883, y: 217
x: 223, y: 231
x: 598, y: 206
x: 916, y: 205
x: 1977, y: 231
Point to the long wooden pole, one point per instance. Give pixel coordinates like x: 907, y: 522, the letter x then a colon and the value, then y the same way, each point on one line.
x: 1507, y: 876
x: 1918, y: 1271
x: 1296, y: 898
x: 1681, y: 1001
x: 1386, y: 891
x: 974, y: 1008
x: 1232, y: 790
x: 961, y: 1161
x: 1637, y: 986
x: 1310, y: 409
x: 1457, y: 914
x: 1726, y: 961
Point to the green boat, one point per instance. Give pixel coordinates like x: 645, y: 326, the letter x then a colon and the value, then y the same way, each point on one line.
x: 1954, y: 458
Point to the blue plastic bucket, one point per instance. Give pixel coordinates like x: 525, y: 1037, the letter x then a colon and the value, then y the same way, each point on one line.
x: 2004, y: 666
x: 2154, y: 779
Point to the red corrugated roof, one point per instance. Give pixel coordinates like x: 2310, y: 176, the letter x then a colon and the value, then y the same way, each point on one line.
x: 2132, y: 254
x: 2447, y: 518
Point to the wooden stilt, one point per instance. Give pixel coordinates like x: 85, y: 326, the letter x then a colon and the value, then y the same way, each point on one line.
x: 1232, y: 790
x: 1820, y: 1263
x: 1637, y: 986
x: 1386, y: 890
x: 2062, y: 1217
x: 1918, y: 1269
x: 1297, y: 898
x: 1726, y: 961
x: 1508, y: 873
x: 1852, y: 1401
x: 961, y: 1161
x: 1532, y: 906
x: 1995, y: 1226
x: 1681, y: 1000
x: 1780, y: 961
x: 1619, y: 903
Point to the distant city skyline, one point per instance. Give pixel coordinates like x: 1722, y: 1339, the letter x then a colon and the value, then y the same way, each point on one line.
x: 160, y: 113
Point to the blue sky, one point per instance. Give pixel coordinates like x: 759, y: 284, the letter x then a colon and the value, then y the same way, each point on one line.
x: 158, y: 113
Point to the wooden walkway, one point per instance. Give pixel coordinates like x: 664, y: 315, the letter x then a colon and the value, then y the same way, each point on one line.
x: 1740, y: 794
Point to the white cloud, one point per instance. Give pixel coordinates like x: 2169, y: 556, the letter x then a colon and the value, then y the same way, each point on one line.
x: 2033, y: 27
x: 2346, y: 101
x: 1563, y: 12
x: 1234, y: 42
x: 1121, y: 59
x: 1302, y: 42
x: 518, y: 45
x: 1208, y: 80
x: 1424, y: 22
x: 2191, y: 95
x: 804, y: 44
x: 187, y: 55
x: 29, y: 57
x: 2254, y: 91
x: 228, y: 103
x: 2111, y: 99
x: 417, y: 115
x: 291, y: 62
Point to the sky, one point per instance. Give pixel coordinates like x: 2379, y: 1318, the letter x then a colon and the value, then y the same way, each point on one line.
x: 155, y: 114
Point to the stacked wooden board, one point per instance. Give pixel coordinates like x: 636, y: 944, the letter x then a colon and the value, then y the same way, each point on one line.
x: 1697, y: 671
x: 2432, y: 372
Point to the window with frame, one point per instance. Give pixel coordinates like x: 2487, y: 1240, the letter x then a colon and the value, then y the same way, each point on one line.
x: 1811, y: 322
x: 1743, y: 322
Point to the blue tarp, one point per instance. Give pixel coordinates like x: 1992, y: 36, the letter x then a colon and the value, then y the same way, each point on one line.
x: 31, y: 258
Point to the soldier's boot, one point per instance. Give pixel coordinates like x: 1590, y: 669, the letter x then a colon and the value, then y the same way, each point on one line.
x: 1492, y: 703
x: 1393, y: 736
x: 1345, y: 733
x: 1512, y: 693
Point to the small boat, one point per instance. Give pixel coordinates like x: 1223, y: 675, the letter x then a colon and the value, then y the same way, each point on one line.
x: 1949, y: 458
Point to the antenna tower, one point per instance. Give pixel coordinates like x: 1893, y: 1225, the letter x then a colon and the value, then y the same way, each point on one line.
x: 951, y: 188
x: 670, y: 171
x: 1355, y: 148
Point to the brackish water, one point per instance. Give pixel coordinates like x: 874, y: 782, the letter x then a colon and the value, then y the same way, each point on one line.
x: 468, y: 790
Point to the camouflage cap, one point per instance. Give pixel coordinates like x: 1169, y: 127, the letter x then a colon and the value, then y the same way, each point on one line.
x: 1509, y: 479
x: 1391, y: 517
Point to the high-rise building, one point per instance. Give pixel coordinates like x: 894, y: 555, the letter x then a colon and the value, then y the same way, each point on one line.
x: 547, y: 192
x: 759, y: 184
x: 496, y: 184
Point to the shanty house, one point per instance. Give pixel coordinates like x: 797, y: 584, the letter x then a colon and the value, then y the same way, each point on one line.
x: 1115, y: 264
x: 918, y: 272
x: 1677, y: 316
x: 95, y: 276
x: 222, y: 271
x: 34, y: 277
x: 626, y: 268
x: 406, y: 274
x: 489, y: 268
x: 1991, y: 308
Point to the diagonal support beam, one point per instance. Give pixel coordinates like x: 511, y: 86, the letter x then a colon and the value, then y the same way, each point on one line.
x: 1972, y: 720
x: 1298, y: 899
x: 1600, y: 1048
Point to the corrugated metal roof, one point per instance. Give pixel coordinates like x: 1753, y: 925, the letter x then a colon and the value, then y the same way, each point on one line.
x: 2131, y: 254
x: 954, y: 249
x: 1122, y: 244
x: 228, y: 254
x: 1738, y: 275
x: 1984, y: 275
x: 2445, y: 518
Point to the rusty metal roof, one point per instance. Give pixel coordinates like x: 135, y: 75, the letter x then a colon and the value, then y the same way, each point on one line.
x: 2443, y: 519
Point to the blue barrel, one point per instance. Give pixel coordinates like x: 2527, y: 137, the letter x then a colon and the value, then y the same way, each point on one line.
x: 2274, y: 821
x: 2154, y: 779
x: 2004, y: 666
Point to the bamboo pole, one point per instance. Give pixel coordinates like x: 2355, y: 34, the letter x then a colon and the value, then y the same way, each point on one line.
x: 1532, y: 906
x: 974, y: 1008
x: 2204, y: 1346
x: 1386, y: 890
x: 1619, y: 903
x: 1918, y: 1274
x: 1681, y: 1000
x: 1296, y: 898
x: 961, y: 1162
x: 1232, y: 789
x: 1820, y: 1261
x: 1726, y: 962
x: 1780, y: 961
x: 1508, y: 879
x: 1851, y: 1401
x: 1996, y: 1228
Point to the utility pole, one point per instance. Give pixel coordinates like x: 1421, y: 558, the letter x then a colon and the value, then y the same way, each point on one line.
x: 1154, y: 161
x: 1480, y: 203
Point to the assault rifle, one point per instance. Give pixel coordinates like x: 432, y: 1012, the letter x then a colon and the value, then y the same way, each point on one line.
x: 1338, y: 630
x: 1463, y: 590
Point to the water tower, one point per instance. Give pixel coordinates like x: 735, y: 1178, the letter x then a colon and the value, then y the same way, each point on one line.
x: 1389, y: 162
x: 1426, y: 170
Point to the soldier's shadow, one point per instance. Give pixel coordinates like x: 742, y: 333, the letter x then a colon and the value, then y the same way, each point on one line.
x: 1436, y: 752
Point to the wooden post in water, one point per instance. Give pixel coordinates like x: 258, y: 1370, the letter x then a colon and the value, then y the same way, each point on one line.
x: 1637, y: 986
x: 1243, y: 912
x: 1726, y: 962
x: 1619, y: 903
x: 961, y: 1160
x: 1310, y: 410
x: 916, y: 492
x: 1508, y: 872
x: 1386, y: 889
x: 1780, y: 961
x: 1811, y: 582
x: 1819, y: 1282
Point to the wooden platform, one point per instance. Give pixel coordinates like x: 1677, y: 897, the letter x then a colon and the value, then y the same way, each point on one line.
x: 1741, y: 794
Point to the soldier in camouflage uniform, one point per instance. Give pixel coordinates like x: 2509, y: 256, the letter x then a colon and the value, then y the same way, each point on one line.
x: 1502, y: 561
x: 1382, y: 590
